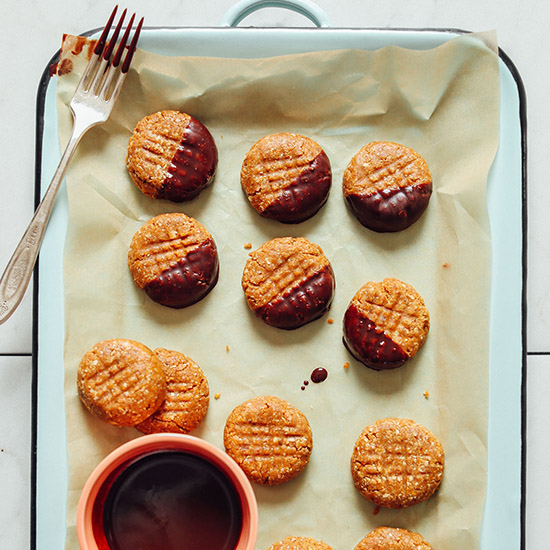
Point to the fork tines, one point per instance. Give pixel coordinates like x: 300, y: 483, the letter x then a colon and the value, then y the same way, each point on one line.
x: 103, y: 51
x: 102, y: 42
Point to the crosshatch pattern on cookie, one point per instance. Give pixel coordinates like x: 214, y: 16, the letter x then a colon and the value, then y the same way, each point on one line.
x: 397, y: 463
x: 279, y: 265
x: 381, y: 165
x: 269, y: 438
x: 397, y: 309
x: 187, y: 396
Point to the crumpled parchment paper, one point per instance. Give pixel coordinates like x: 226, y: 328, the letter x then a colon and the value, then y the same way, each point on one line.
x: 444, y: 103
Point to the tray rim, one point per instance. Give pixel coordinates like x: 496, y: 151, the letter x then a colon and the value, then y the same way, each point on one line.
x: 39, y: 140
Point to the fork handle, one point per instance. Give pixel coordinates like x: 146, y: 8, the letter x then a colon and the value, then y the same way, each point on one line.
x: 17, y: 274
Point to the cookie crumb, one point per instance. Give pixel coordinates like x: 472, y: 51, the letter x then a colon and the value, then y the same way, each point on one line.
x: 330, y: 321
x: 248, y: 246
x: 446, y: 265
x: 217, y: 395
x: 346, y: 365
x: 426, y: 394
x: 226, y: 348
x: 376, y: 510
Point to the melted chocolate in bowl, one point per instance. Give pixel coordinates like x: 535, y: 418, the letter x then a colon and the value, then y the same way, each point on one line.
x: 172, y: 500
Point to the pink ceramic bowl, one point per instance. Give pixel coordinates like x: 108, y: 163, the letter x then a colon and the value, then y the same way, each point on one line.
x: 91, y: 534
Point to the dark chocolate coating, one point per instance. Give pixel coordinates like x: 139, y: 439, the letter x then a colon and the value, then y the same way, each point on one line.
x: 187, y: 281
x: 304, y: 197
x: 391, y: 210
x: 369, y: 344
x: 301, y: 304
x: 193, y: 165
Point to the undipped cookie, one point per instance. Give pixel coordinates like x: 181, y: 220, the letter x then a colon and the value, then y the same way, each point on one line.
x: 397, y: 463
x: 171, y: 156
x: 121, y: 382
x: 288, y: 282
x: 174, y: 259
x: 387, y: 186
x: 270, y: 439
x: 299, y: 543
x: 286, y: 177
x: 385, y: 324
x: 187, y: 396
x: 392, y: 538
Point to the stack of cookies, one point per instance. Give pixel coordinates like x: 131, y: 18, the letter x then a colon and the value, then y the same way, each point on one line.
x: 124, y: 383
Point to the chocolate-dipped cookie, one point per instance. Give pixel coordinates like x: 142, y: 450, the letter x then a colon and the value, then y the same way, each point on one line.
x: 288, y: 282
x: 174, y: 259
x: 171, y: 156
x: 387, y: 186
x: 385, y: 324
x: 286, y: 177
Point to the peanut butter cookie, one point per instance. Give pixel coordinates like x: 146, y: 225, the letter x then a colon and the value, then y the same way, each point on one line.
x: 288, y: 282
x: 286, y: 177
x: 121, y: 382
x: 187, y: 396
x: 299, y: 543
x: 387, y: 186
x: 385, y: 324
x: 390, y: 538
x: 174, y: 259
x: 269, y: 438
x: 171, y: 156
x: 397, y: 463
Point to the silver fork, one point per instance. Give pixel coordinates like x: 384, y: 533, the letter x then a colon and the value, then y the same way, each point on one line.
x: 91, y: 104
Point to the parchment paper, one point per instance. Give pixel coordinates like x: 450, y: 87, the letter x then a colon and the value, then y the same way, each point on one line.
x: 444, y: 103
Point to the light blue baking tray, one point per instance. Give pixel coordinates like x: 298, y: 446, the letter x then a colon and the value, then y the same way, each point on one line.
x: 503, y: 521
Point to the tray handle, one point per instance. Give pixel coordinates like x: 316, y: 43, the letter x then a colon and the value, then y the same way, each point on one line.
x: 234, y: 15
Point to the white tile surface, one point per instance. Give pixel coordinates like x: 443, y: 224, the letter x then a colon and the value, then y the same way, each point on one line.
x: 538, y: 452
x: 15, y: 455
x: 38, y: 26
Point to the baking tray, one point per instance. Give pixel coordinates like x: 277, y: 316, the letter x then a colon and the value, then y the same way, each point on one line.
x: 503, y: 521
